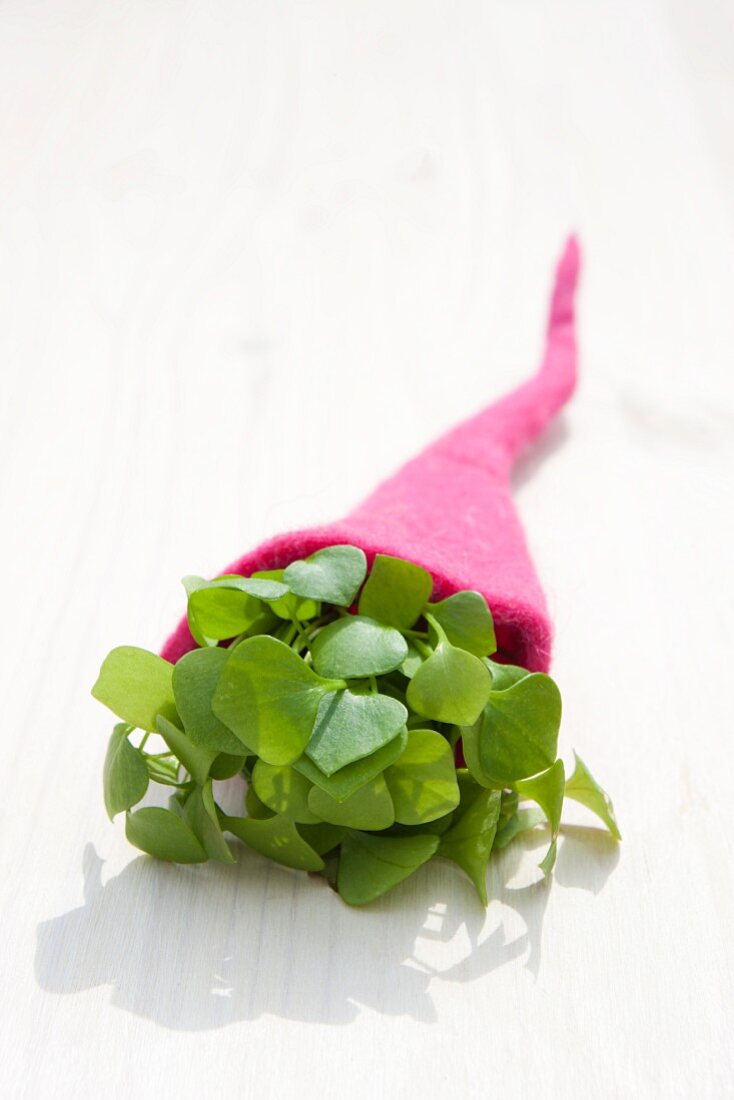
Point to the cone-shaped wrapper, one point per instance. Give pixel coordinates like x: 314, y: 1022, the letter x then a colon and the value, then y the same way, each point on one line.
x: 450, y: 509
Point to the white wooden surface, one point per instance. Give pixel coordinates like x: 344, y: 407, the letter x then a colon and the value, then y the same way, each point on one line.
x: 253, y: 255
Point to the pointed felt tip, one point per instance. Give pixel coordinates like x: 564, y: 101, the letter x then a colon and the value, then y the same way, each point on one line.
x: 567, y: 273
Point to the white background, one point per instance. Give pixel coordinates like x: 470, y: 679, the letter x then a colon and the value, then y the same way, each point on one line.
x: 252, y: 256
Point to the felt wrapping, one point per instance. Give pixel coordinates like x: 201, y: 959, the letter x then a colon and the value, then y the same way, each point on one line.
x: 450, y: 509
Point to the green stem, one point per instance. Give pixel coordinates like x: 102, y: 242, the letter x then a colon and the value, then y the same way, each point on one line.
x: 146, y: 735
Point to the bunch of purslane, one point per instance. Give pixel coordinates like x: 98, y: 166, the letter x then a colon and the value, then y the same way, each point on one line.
x: 371, y: 725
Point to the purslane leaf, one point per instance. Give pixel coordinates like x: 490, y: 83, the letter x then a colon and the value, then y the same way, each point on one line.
x: 368, y: 808
x: 333, y: 575
x: 196, y: 760
x: 195, y: 679
x: 284, y: 791
x: 277, y: 838
x: 356, y: 647
x: 467, y: 622
x: 450, y: 686
x: 583, y: 788
x: 519, y: 822
x: 395, y: 592
x: 137, y: 686
x: 164, y: 835
x: 200, y: 814
x: 369, y: 866
x: 422, y: 781
x: 125, y: 774
x: 469, y: 841
x: 323, y: 837
x: 518, y: 730
x: 547, y: 790
x: 290, y: 606
x: 218, y: 612
x: 347, y: 780
x: 350, y: 726
x: 269, y: 698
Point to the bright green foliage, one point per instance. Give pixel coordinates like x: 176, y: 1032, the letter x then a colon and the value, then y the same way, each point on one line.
x: 396, y: 592
x: 347, y: 780
x: 333, y: 575
x: 277, y: 838
x: 125, y: 774
x: 547, y: 790
x: 451, y: 686
x: 583, y: 788
x: 355, y: 647
x: 369, y: 866
x: 370, y: 807
x: 469, y: 841
x: 370, y: 742
x: 196, y: 760
x: 350, y: 726
x: 519, y: 822
x: 290, y: 606
x: 284, y: 791
x: 517, y: 734
x: 137, y: 686
x: 164, y: 835
x: 195, y: 679
x: 422, y: 781
x: 200, y: 814
x: 466, y: 622
x: 269, y: 698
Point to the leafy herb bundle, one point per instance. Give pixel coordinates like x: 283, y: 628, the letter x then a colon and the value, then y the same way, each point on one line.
x: 373, y: 728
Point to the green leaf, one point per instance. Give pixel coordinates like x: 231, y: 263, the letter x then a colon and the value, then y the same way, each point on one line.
x: 277, y: 838
x: 350, y: 727
x: 518, y: 731
x: 347, y: 780
x: 504, y: 676
x: 195, y: 679
x: 422, y: 781
x: 268, y: 589
x: 467, y: 622
x: 368, y: 808
x: 413, y: 661
x: 253, y: 805
x: 583, y: 788
x: 469, y: 841
x: 125, y: 775
x: 357, y: 647
x: 136, y: 686
x: 284, y: 791
x: 196, y: 760
x: 323, y: 837
x: 395, y: 592
x: 369, y: 866
x: 163, y: 770
x: 219, y: 613
x: 290, y: 606
x: 200, y: 814
x: 451, y: 686
x: 333, y: 575
x: 547, y: 790
x: 516, y: 824
x: 164, y: 835
x: 225, y: 766
x: 269, y: 699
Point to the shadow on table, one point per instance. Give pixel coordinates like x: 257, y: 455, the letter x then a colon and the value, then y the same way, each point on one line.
x: 197, y: 949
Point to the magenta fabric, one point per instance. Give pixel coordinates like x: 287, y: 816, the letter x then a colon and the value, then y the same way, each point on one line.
x: 450, y: 509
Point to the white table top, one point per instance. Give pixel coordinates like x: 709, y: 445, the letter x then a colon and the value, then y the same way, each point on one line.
x: 252, y: 256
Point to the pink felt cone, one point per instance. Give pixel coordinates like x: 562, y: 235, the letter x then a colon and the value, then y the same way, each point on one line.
x: 450, y: 509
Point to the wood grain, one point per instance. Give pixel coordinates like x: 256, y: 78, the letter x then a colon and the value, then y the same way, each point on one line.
x: 251, y: 257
